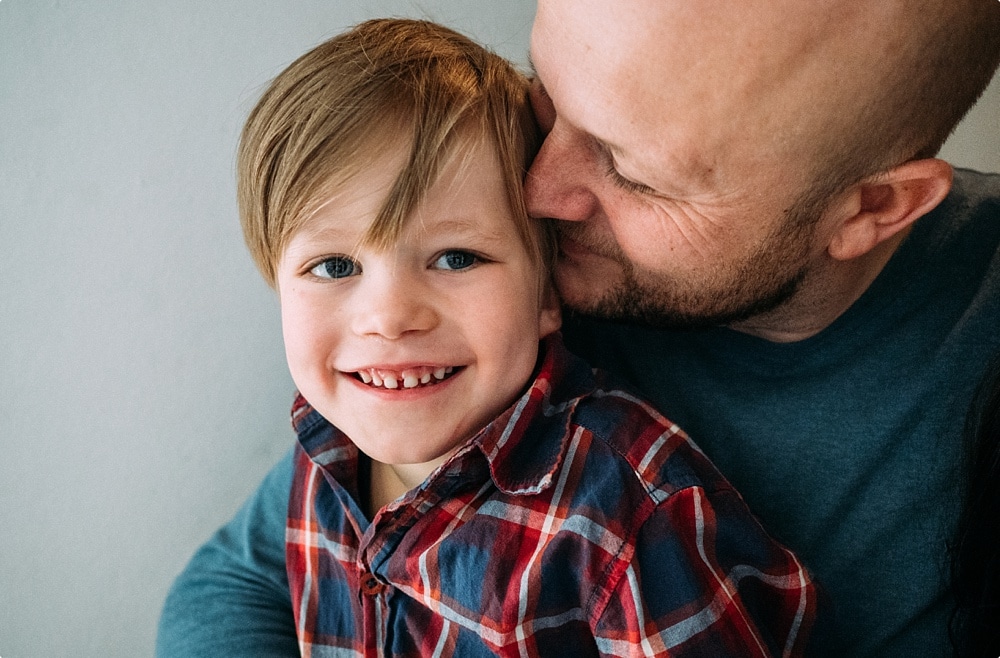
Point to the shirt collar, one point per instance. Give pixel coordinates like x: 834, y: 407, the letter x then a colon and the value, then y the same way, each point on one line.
x: 523, y: 446
x: 526, y: 443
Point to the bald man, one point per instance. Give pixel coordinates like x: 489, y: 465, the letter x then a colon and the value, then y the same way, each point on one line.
x: 768, y: 168
x: 755, y: 231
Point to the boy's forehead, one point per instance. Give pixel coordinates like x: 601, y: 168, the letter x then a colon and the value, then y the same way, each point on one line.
x: 336, y: 220
x: 351, y: 194
x: 467, y: 185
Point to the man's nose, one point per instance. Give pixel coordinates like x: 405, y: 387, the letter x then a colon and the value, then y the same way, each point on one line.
x: 392, y: 305
x: 559, y: 184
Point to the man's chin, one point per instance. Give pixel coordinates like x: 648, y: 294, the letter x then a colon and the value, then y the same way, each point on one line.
x: 584, y: 284
x: 632, y: 303
x: 599, y: 287
x: 613, y: 309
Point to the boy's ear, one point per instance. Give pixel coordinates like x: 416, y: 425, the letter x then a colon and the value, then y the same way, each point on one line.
x: 549, y: 313
x: 883, y: 205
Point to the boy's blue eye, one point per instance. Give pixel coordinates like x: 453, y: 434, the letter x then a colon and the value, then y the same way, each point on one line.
x: 455, y: 260
x: 337, y: 267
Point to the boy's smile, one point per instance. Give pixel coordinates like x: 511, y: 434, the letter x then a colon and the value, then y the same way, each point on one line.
x: 410, y: 350
x: 408, y: 378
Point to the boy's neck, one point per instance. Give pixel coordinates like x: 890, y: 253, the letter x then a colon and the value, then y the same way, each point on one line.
x: 390, y: 481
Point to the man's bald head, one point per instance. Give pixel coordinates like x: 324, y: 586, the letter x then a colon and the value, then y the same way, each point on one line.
x: 857, y: 86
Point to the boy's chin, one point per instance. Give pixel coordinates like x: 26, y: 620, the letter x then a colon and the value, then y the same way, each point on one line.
x: 404, y: 454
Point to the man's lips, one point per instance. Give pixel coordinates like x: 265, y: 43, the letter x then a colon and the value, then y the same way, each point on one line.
x: 574, y: 248
x: 412, y: 377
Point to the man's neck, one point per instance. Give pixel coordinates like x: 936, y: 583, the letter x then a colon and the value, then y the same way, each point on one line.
x: 825, y: 294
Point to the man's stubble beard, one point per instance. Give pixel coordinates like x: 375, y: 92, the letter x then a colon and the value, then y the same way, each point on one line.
x: 762, y: 282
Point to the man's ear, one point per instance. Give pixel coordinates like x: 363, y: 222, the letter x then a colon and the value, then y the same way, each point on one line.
x: 549, y: 315
x: 887, y: 203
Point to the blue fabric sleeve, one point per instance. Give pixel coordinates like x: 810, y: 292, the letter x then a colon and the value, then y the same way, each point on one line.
x: 232, y: 599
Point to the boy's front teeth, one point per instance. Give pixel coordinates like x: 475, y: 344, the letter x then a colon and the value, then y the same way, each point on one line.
x: 410, y: 378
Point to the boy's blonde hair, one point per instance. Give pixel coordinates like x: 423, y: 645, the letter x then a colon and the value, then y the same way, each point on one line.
x: 333, y: 111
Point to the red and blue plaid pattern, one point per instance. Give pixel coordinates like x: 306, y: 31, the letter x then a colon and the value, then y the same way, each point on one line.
x: 579, y: 523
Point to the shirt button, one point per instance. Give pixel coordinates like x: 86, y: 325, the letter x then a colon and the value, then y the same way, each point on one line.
x: 370, y: 585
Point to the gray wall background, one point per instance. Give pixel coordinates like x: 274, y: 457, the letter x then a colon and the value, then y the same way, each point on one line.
x: 143, y: 390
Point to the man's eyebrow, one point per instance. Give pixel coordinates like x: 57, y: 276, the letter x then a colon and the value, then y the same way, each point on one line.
x: 612, y: 151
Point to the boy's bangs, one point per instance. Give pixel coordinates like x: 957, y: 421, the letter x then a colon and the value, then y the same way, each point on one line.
x: 436, y: 137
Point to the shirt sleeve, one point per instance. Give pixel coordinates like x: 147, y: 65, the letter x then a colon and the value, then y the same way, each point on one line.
x: 705, y: 579
x: 232, y: 599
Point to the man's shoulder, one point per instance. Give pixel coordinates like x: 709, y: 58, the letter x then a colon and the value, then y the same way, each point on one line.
x: 956, y: 245
x: 978, y: 184
x: 974, y: 200
x: 656, y: 451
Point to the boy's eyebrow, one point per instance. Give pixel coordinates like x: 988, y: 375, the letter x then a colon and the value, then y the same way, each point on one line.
x: 464, y: 227
x: 321, y: 236
x: 460, y: 227
x: 324, y: 231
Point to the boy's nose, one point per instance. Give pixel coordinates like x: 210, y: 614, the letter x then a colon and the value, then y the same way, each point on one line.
x: 392, y: 307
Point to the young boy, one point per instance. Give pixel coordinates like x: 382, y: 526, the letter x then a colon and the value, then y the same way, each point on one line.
x: 463, y: 486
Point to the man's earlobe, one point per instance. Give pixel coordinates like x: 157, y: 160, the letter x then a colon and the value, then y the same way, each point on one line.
x: 889, y: 203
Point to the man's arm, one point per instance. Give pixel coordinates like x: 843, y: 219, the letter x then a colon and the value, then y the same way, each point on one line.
x: 232, y: 598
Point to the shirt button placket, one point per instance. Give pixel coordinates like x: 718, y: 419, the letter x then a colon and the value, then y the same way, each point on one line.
x: 371, y: 585
x: 373, y: 613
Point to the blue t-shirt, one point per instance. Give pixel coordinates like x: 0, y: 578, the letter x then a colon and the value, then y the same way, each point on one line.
x: 846, y: 445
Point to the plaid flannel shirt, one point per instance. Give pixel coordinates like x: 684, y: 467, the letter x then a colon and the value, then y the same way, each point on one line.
x: 579, y: 523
